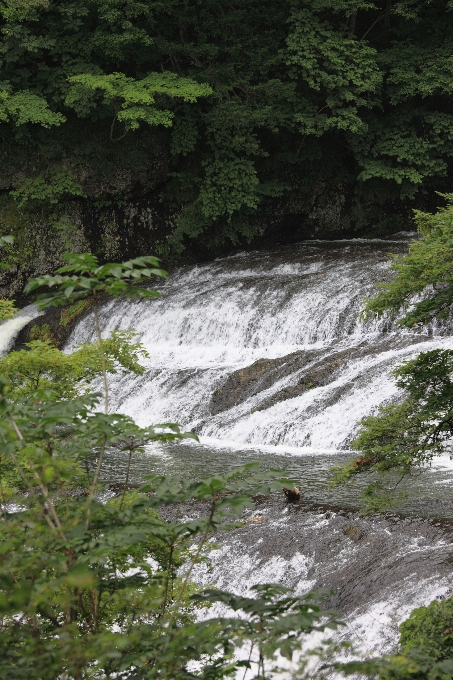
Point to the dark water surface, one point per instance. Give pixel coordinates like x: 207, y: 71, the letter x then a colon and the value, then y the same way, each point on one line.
x: 427, y: 493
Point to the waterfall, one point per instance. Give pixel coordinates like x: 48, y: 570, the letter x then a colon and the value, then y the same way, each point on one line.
x: 296, y: 305
x: 10, y: 328
x: 266, y: 355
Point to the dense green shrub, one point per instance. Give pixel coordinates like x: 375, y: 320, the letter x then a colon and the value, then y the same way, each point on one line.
x: 430, y: 627
x: 219, y: 115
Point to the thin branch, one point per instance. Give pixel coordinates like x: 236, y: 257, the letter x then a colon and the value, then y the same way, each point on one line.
x: 127, y: 478
x: 381, y: 16
x: 196, y: 556
x: 117, y: 139
x: 111, y: 127
x: 252, y: 644
x: 38, y: 479
x: 101, y: 349
x: 95, y: 482
x: 106, y: 408
x: 49, y: 616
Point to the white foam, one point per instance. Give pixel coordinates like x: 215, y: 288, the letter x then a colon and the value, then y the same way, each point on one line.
x: 372, y: 627
x: 215, y: 318
x: 10, y: 328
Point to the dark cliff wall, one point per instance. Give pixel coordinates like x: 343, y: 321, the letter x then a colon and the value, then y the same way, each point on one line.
x: 193, y: 129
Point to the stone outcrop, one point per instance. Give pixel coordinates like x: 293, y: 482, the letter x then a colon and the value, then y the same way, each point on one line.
x: 310, y: 369
x: 249, y: 381
x: 55, y: 325
x: 262, y: 374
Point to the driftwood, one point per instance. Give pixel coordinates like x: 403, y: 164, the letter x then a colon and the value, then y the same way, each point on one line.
x: 292, y: 495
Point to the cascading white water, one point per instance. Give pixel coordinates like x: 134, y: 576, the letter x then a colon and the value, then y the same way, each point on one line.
x: 10, y: 328
x: 216, y: 318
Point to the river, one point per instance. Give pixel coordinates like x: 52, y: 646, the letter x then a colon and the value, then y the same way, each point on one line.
x: 276, y: 321
x: 266, y: 357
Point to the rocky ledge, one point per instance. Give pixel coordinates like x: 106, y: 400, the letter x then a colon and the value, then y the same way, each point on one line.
x: 55, y: 325
x: 305, y: 369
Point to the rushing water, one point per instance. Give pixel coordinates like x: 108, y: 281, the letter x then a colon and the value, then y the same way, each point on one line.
x: 10, y: 328
x: 217, y: 318
x: 298, y: 307
x: 301, y: 302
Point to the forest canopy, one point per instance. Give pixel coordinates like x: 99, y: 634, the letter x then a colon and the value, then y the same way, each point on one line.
x: 225, y: 120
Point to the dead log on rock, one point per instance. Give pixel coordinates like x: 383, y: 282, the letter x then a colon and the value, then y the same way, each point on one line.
x: 292, y: 495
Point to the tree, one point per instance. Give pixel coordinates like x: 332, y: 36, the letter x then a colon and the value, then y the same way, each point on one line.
x: 236, y: 117
x: 427, y: 269
x: 407, y: 435
x: 96, y: 590
x: 404, y: 437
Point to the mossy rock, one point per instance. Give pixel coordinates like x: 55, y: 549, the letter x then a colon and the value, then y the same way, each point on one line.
x: 55, y: 325
x: 354, y: 532
x: 42, y: 332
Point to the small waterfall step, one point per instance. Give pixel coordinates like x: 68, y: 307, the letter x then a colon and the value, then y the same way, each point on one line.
x: 267, y: 348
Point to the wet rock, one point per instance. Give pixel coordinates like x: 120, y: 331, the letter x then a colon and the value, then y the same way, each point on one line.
x: 262, y: 374
x: 354, y: 532
x: 248, y: 381
x: 308, y: 547
x: 318, y: 375
x: 306, y: 370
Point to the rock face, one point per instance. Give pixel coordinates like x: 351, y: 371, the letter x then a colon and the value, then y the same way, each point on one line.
x: 251, y: 380
x: 248, y: 381
x: 305, y: 369
x: 135, y: 213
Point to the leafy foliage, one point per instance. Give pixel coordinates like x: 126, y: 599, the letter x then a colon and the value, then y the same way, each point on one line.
x: 49, y: 189
x: 25, y: 107
x: 42, y: 366
x: 424, y: 278
x: 133, y: 101
x: 82, y: 278
x: 7, y: 309
x: 416, y: 664
x: 430, y: 627
x: 90, y: 583
x: 341, y: 70
x: 407, y: 435
x: 73, y: 311
x: 233, y: 113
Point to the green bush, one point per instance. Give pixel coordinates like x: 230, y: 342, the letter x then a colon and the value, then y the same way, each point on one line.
x: 430, y: 627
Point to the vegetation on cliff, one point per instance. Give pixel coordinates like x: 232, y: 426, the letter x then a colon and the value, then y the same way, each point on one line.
x: 125, y: 124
